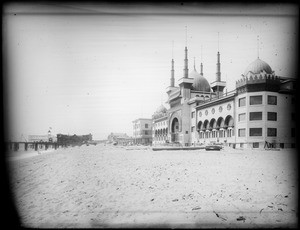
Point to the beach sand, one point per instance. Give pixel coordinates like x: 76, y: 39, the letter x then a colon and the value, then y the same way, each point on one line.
x: 109, y: 186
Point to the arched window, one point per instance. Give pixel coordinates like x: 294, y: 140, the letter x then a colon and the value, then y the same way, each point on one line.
x: 212, y: 124
x: 205, y: 125
x: 229, y: 122
x: 199, y: 126
x: 220, y: 123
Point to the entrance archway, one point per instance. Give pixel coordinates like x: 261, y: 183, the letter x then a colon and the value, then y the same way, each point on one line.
x: 175, y: 125
x: 175, y: 130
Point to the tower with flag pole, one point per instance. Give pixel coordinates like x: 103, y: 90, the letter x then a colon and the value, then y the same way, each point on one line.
x: 218, y: 85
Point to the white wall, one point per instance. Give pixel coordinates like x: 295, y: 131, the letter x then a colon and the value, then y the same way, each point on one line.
x: 284, y: 109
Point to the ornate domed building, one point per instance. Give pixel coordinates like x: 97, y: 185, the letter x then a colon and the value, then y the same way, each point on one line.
x: 200, y: 83
x: 160, y: 112
x: 193, y: 90
x: 258, y: 113
x: 258, y: 67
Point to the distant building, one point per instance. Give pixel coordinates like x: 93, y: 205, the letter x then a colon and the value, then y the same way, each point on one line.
x: 73, y: 139
x: 120, y: 138
x: 116, y: 136
x: 142, y: 131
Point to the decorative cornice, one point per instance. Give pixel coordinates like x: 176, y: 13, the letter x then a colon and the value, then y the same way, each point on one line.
x: 158, y: 115
x: 165, y: 117
x: 262, y: 77
x: 216, y: 101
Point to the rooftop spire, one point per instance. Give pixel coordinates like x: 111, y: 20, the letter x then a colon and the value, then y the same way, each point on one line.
x: 257, y: 46
x: 201, y: 69
x: 201, y: 65
x: 172, y: 70
x: 172, y: 49
x: 218, y: 41
x: 185, y: 35
x: 186, y: 69
x: 218, y: 74
x: 194, y: 63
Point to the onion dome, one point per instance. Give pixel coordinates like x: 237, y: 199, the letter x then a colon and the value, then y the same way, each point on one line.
x: 161, y: 109
x: 257, y: 67
x: 160, y: 112
x: 200, y: 83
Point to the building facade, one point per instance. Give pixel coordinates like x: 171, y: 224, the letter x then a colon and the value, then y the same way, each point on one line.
x: 119, y: 138
x: 160, y: 126
x: 259, y: 112
x: 142, y: 131
x: 65, y: 139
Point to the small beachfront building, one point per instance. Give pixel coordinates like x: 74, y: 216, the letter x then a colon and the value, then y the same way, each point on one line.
x: 142, y: 131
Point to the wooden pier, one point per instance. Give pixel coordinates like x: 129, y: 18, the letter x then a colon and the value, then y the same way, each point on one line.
x: 16, y: 146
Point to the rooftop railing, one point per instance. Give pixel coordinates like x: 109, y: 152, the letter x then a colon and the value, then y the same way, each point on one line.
x: 217, y: 97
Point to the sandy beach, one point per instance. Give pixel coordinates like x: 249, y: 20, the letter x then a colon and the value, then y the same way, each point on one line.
x: 111, y: 186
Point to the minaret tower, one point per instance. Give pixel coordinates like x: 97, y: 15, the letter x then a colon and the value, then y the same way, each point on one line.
x: 257, y: 47
x: 185, y: 83
x: 201, y: 69
x: 172, y: 70
x: 218, y: 74
x: 172, y: 87
x: 186, y: 68
x: 218, y: 85
x: 201, y: 65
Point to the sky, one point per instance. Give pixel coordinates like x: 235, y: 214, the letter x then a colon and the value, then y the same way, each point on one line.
x: 83, y: 68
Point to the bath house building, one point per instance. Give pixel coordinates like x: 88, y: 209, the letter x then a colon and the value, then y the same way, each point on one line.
x: 259, y: 111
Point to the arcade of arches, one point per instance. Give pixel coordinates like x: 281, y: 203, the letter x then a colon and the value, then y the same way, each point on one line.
x: 207, y: 129
x: 220, y: 128
x: 161, y: 134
